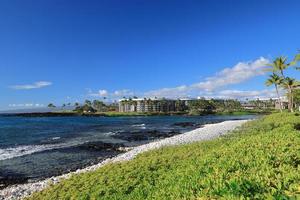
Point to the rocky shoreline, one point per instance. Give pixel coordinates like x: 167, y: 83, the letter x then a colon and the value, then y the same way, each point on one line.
x: 208, y: 132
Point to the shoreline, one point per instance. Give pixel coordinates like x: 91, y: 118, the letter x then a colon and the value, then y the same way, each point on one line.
x: 208, y: 132
x: 131, y: 114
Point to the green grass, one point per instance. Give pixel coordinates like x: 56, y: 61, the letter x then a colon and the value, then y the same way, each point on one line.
x: 246, y: 112
x: 133, y: 114
x: 259, y: 161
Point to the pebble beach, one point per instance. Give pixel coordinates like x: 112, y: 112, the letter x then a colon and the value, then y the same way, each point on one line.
x: 207, y: 132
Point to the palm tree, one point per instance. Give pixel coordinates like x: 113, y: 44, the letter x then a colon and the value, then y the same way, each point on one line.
x: 88, y: 102
x: 276, y: 80
x: 51, y: 105
x: 296, y: 60
x: 279, y: 65
x: 290, y: 84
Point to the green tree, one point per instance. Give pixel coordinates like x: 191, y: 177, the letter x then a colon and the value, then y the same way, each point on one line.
x: 179, y: 105
x: 280, y: 64
x: 275, y: 80
x: 201, y: 106
x: 85, y: 109
x: 296, y: 96
x: 99, y: 105
x: 290, y: 84
x: 51, y: 105
x: 88, y: 102
x: 296, y: 60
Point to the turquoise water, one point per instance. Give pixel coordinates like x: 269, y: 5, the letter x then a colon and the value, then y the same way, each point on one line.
x: 33, y: 148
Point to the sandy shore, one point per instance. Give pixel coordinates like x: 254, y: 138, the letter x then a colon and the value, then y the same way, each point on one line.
x: 208, y: 132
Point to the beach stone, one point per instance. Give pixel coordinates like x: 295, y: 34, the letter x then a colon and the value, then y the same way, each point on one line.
x: 208, y: 132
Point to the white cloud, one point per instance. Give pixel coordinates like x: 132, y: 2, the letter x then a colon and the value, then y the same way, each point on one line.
x: 121, y: 93
x: 103, y: 93
x: 214, y: 86
x: 26, y: 105
x: 100, y: 93
x: 111, y: 95
x: 36, y: 85
x: 246, y: 94
x: 177, y: 92
x: 241, y: 72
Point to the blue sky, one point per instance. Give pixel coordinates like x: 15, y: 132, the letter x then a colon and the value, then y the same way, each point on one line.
x: 66, y: 51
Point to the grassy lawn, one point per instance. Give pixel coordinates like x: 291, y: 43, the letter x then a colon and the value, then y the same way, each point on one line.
x: 261, y: 160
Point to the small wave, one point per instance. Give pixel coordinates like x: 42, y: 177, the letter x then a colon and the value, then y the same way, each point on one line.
x: 23, y: 150
x: 13, y: 152
x: 18, y: 151
x: 109, y: 133
x: 138, y: 125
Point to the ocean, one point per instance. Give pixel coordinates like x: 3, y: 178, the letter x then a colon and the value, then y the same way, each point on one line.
x: 34, y: 148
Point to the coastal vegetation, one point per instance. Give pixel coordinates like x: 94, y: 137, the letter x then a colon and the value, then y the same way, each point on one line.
x: 279, y: 78
x: 260, y: 160
x: 194, y: 107
x: 51, y: 105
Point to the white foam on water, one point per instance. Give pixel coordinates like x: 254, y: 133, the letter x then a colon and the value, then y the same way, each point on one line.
x: 18, y: 151
x: 22, y: 150
x: 139, y: 125
x: 109, y: 133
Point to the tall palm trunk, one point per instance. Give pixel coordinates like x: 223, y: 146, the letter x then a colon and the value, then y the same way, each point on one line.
x: 280, y: 103
x: 290, y: 104
x: 292, y: 100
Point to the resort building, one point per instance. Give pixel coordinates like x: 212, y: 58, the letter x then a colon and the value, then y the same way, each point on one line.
x: 152, y: 105
x: 284, y: 103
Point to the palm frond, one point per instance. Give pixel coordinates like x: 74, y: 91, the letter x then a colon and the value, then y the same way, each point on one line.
x: 297, y: 57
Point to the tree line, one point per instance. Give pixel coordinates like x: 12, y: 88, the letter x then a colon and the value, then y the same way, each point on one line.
x: 280, y: 80
x: 89, y: 106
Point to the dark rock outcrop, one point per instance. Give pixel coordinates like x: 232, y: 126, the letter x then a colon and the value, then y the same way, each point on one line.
x: 101, y: 146
x: 188, y: 124
x: 144, y: 135
x: 185, y: 124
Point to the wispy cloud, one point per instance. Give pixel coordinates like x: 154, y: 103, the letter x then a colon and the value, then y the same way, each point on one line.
x: 244, y: 94
x: 239, y: 73
x: 215, y: 86
x: 124, y: 92
x: 112, y: 95
x: 36, y: 85
x: 103, y: 93
x: 26, y: 105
